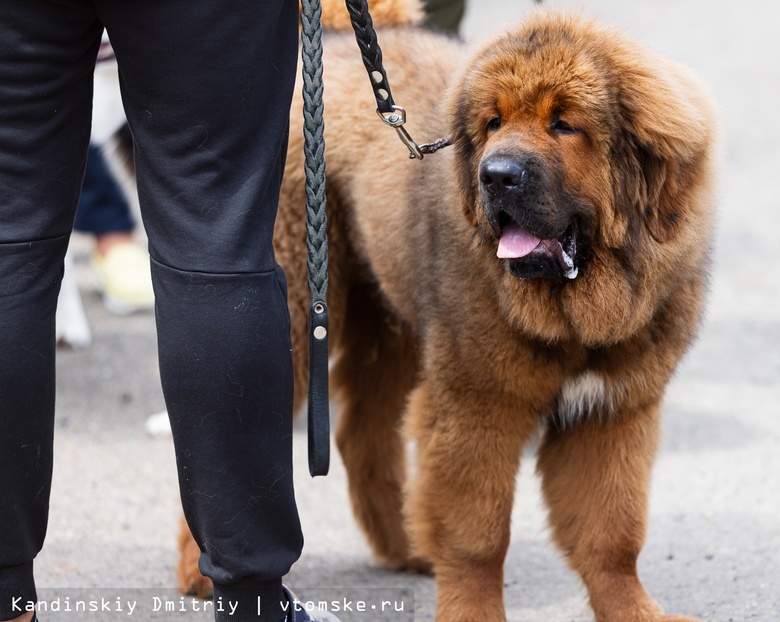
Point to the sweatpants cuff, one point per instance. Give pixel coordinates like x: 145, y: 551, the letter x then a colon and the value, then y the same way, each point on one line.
x: 249, y: 599
x: 17, y: 589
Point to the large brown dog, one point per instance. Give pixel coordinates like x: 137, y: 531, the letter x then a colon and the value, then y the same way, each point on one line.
x: 547, y: 271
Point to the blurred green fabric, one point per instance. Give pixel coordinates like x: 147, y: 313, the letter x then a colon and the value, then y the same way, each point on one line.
x: 445, y: 14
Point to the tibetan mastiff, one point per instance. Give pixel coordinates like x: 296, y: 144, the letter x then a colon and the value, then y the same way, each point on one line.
x: 546, y: 272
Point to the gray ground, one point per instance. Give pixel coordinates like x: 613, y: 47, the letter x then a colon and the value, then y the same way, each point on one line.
x: 713, y: 545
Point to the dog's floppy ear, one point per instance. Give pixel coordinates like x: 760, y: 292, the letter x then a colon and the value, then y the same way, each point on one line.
x: 666, y: 182
x: 670, y: 124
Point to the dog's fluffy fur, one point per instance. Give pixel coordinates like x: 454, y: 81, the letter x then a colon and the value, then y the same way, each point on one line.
x: 435, y: 338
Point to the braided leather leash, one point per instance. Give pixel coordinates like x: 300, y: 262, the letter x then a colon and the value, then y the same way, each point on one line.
x: 316, y: 219
x: 316, y: 236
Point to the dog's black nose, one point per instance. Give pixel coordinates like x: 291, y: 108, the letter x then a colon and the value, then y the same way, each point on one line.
x: 500, y: 175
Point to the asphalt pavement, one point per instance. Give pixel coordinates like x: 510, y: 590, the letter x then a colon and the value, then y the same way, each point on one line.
x: 713, y: 546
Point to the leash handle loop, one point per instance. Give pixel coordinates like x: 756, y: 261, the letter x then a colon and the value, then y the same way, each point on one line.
x: 318, y: 419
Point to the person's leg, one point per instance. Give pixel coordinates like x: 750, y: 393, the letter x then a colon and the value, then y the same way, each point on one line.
x: 207, y: 88
x: 48, y: 51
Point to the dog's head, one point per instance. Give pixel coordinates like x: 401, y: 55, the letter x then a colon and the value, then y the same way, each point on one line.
x: 583, y: 167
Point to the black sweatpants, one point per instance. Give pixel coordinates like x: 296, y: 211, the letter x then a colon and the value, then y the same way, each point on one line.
x: 207, y: 87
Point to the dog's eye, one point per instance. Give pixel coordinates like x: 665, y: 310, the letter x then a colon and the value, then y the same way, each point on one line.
x: 559, y: 126
x: 494, y: 124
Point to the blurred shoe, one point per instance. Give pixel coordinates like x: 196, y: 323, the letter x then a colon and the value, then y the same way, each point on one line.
x: 159, y: 425
x: 126, y: 278
x: 72, y: 324
x: 298, y: 612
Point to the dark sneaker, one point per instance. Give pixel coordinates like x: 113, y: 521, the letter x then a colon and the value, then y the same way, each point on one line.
x: 298, y: 612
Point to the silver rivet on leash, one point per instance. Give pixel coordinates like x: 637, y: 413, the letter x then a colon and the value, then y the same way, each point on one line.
x: 320, y: 332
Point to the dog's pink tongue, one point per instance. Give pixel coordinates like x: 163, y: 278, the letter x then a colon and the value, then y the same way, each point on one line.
x: 516, y: 242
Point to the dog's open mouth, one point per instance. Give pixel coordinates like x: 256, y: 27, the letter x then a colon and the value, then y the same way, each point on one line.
x: 533, y: 257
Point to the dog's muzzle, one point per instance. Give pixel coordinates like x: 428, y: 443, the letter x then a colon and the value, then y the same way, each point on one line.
x: 533, y: 235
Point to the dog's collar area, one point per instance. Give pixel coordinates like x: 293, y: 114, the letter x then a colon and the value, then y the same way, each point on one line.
x: 396, y: 119
x: 433, y: 147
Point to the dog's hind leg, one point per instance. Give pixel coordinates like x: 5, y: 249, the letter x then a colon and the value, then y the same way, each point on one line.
x: 374, y: 374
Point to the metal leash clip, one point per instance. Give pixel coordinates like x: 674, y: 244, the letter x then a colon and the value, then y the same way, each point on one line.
x: 396, y: 119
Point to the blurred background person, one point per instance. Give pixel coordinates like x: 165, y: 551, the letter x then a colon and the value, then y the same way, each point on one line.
x: 104, y: 211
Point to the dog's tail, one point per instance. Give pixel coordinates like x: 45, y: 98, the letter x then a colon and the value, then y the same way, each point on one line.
x: 383, y: 13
